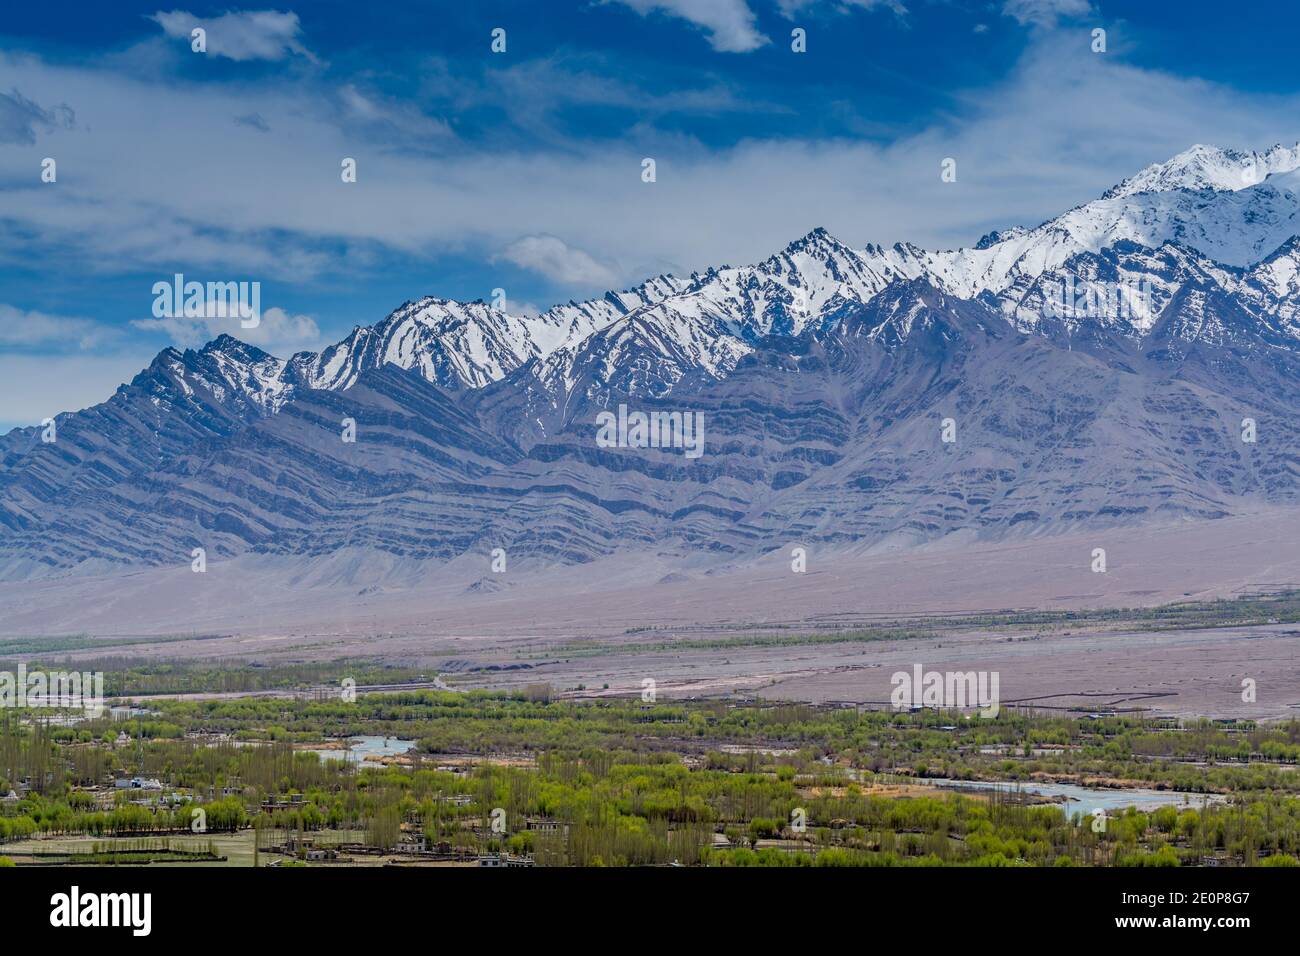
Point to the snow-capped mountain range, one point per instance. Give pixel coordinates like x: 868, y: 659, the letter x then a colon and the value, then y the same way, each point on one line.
x: 1208, y: 214
x: 821, y: 370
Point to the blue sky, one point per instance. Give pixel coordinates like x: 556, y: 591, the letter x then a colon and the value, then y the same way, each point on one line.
x: 521, y: 170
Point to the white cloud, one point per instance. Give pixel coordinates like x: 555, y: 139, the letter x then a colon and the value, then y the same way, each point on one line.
x: 277, y: 331
x: 556, y: 260
x: 730, y: 24
x: 245, y: 35
x: 1045, y: 13
x: 22, y: 328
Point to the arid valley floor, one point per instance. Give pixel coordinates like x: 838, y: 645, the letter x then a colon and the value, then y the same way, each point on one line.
x: 1032, y: 609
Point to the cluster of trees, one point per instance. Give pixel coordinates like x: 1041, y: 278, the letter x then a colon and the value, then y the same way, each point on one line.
x: 60, y: 816
x: 622, y: 783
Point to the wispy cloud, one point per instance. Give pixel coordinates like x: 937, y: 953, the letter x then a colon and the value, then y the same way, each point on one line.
x: 791, y: 8
x: 730, y: 25
x: 20, y: 117
x: 253, y: 121
x: 24, y: 328
x: 557, y: 260
x: 245, y: 35
x: 375, y: 116
x: 1045, y: 13
x: 546, y: 99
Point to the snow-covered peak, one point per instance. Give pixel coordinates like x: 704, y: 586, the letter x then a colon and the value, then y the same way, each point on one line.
x: 808, y: 279
x: 1212, y: 168
x: 234, y: 373
x: 470, y: 344
x: 1236, y: 222
x: 248, y: 370
x: 818, y: 244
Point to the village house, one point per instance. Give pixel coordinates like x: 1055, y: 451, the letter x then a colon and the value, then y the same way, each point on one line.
x: 544, y: 825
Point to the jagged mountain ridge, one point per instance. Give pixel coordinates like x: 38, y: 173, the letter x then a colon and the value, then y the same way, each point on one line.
x: 234, y: 450
x: 829, y: 438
